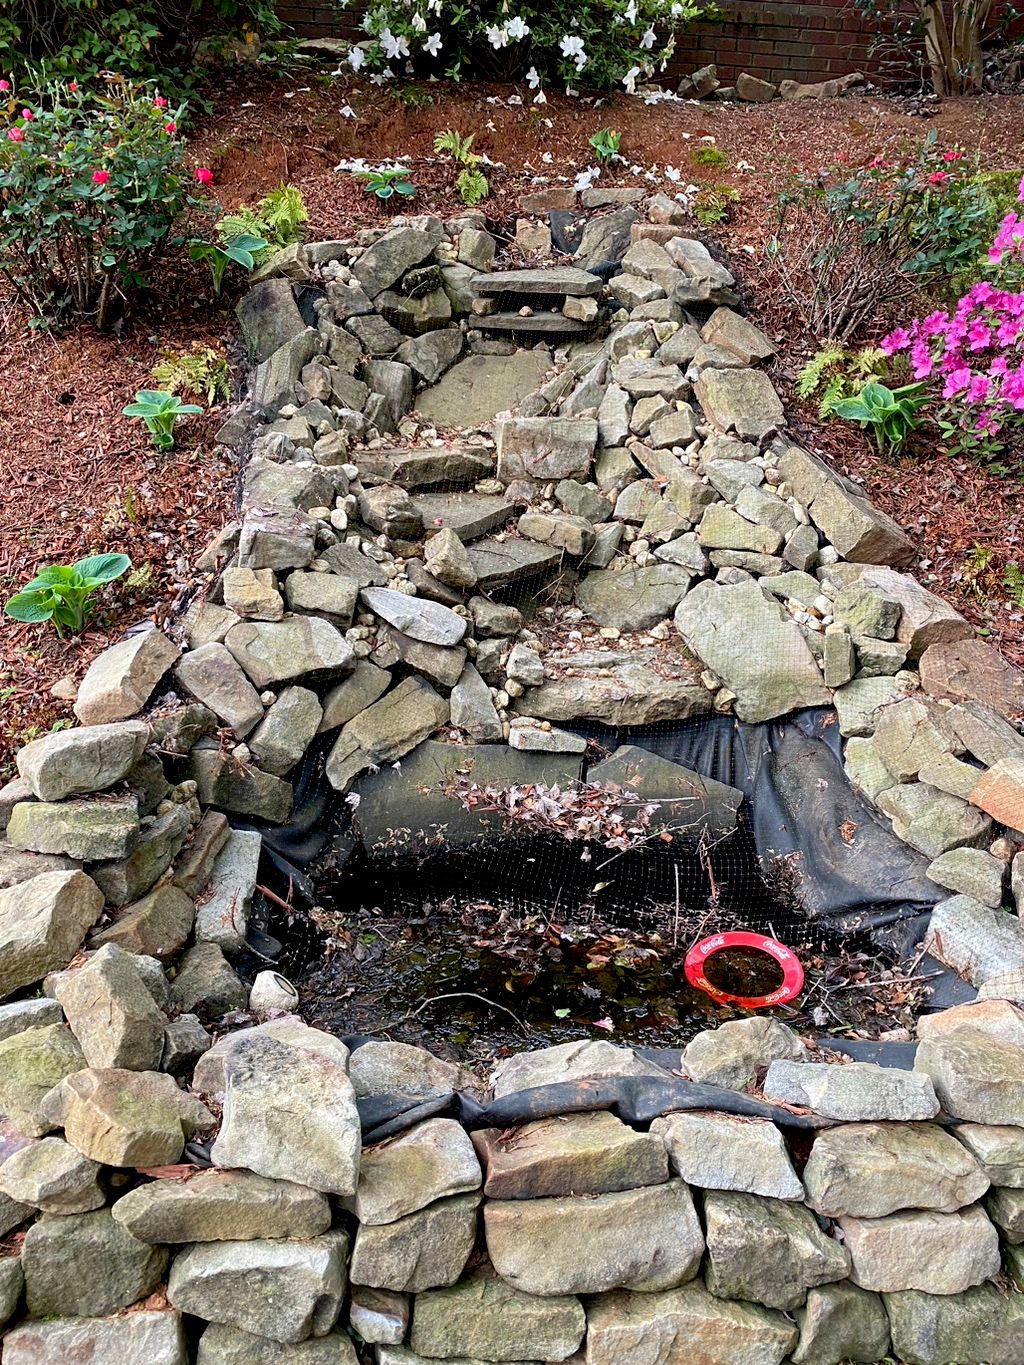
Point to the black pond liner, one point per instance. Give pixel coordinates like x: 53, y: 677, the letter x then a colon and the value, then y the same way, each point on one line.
x: 810, y: 854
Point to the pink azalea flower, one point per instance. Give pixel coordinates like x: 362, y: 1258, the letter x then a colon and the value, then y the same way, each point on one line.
x: 5, y: 86
x: 956, y: 382
x: 978, y: 388
x: 100, y: 177
x: 15, y: 134
x: 171, y: 127
x: 897, y: 340
x: 72, y: 86
x: 204, y: 175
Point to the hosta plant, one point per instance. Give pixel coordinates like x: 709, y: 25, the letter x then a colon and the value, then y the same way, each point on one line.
x: 891, y: 414
x: 279, y: 219
x: 606, y: 144
x: 241, y: 252
x: 60, y: 593
x: 384, y: 182
x: 160, y: 411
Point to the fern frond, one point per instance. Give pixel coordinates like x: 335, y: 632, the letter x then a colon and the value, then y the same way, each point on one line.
x: 813, y: 373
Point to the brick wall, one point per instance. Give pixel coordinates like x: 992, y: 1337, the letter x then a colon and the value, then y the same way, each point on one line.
x: 805, y: 42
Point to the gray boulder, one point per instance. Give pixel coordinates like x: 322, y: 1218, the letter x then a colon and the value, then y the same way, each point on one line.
x: 685, y: 1324
x: 948, y: 1252
x: 85, y: 1265
x: 213, y: 677
x: 856, y: 1091
x: 645, y: 1239
x: 981, y: 1324
x: 42, y: 924
x: 51, y: 1176
x: 873, y: 1169
x: 289, y: 1114
x: 143, y: 1338
x: 272, y: 652
x: 427, y: 1249
x: 430, y: 1161
x: 486, y: 1318
x: 766, y: 1250
x: 301, y: 1285
x: 112, y: 1012
x: 730, y: 1054
x: 721, y: 1152
x: 120, y: 681
x: 223, y: 1345
x: 633, y: 599
x: 840, y: 1322
x: 76, y: 762
x: 779, y: 676
x: 222, y: 1206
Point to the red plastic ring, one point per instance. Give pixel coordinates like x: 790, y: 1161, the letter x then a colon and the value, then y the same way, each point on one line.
x: 792, y: 972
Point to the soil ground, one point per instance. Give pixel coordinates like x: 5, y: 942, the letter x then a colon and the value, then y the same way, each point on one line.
x: 79, y: 477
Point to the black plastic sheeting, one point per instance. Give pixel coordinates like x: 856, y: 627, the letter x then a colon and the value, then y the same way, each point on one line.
x: 636, y: 1100
x: 853, y: 876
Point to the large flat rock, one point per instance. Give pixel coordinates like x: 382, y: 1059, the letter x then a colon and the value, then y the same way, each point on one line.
x: 558, y: 280
x: 476, y: 389
x: 411, y: 800
x: 469, y: 515
x: 617, y: 688
x: 757, y: 651
x: 497, y: 563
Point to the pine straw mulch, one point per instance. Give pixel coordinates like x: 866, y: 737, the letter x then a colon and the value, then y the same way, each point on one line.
x: 79, y: 477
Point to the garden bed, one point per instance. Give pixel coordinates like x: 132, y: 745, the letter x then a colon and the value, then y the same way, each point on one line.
x: 77, y: 463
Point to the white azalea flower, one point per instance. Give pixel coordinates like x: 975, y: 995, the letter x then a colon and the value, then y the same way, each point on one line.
x: 433, y: 44
x: 629, y: 80
x: 629, y: 14
x: 434, y: 5
x: 571, y: 45
x: 394, y: 45
x: 540, y: 97
x: 497, y: 37
x: 347, y: 111
x: 419, y: 23
x: 517, y: 28
x: 356, y: 58
x: 533, y: 78
x: 672, y: 174
x: 547, y: 158
x: 648, y: 40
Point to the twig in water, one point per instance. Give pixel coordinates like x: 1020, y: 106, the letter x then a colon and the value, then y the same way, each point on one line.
x: 453, y: 995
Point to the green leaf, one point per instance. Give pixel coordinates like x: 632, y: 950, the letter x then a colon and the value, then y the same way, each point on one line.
x: 31, y: 606
x: 104, y: 568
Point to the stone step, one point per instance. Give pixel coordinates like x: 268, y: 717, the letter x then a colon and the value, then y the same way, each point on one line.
x: 560, y: 280
x: 542, y: 324
x: 498, y: 563
x: 469, y: 515
x: 427, y: 467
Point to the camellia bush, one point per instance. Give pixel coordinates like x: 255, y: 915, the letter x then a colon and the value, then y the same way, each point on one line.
x: 91, y: 188
x: 595, y: 45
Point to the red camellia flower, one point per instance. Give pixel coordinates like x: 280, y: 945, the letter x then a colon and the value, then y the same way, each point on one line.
x: 72, y: 85
x: 15, y: 134
x: 171, y: 127
x: 100, y: 177
x: 27, y: 115
x: 5, y: 86
x: 204, y: 175
x: 952, y: 156
x: 160, y: 102
x: 938, y: 177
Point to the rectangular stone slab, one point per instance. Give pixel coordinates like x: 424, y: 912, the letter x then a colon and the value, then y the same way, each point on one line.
x: 469, y: 515
x: 560, y: 280
x: 497, y: 563
x: 391, y: 800
x: 547, y: 324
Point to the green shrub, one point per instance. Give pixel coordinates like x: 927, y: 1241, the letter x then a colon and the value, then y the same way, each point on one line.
x: 147, y: 39
x: 91, y: 188
x: 596, y: 45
